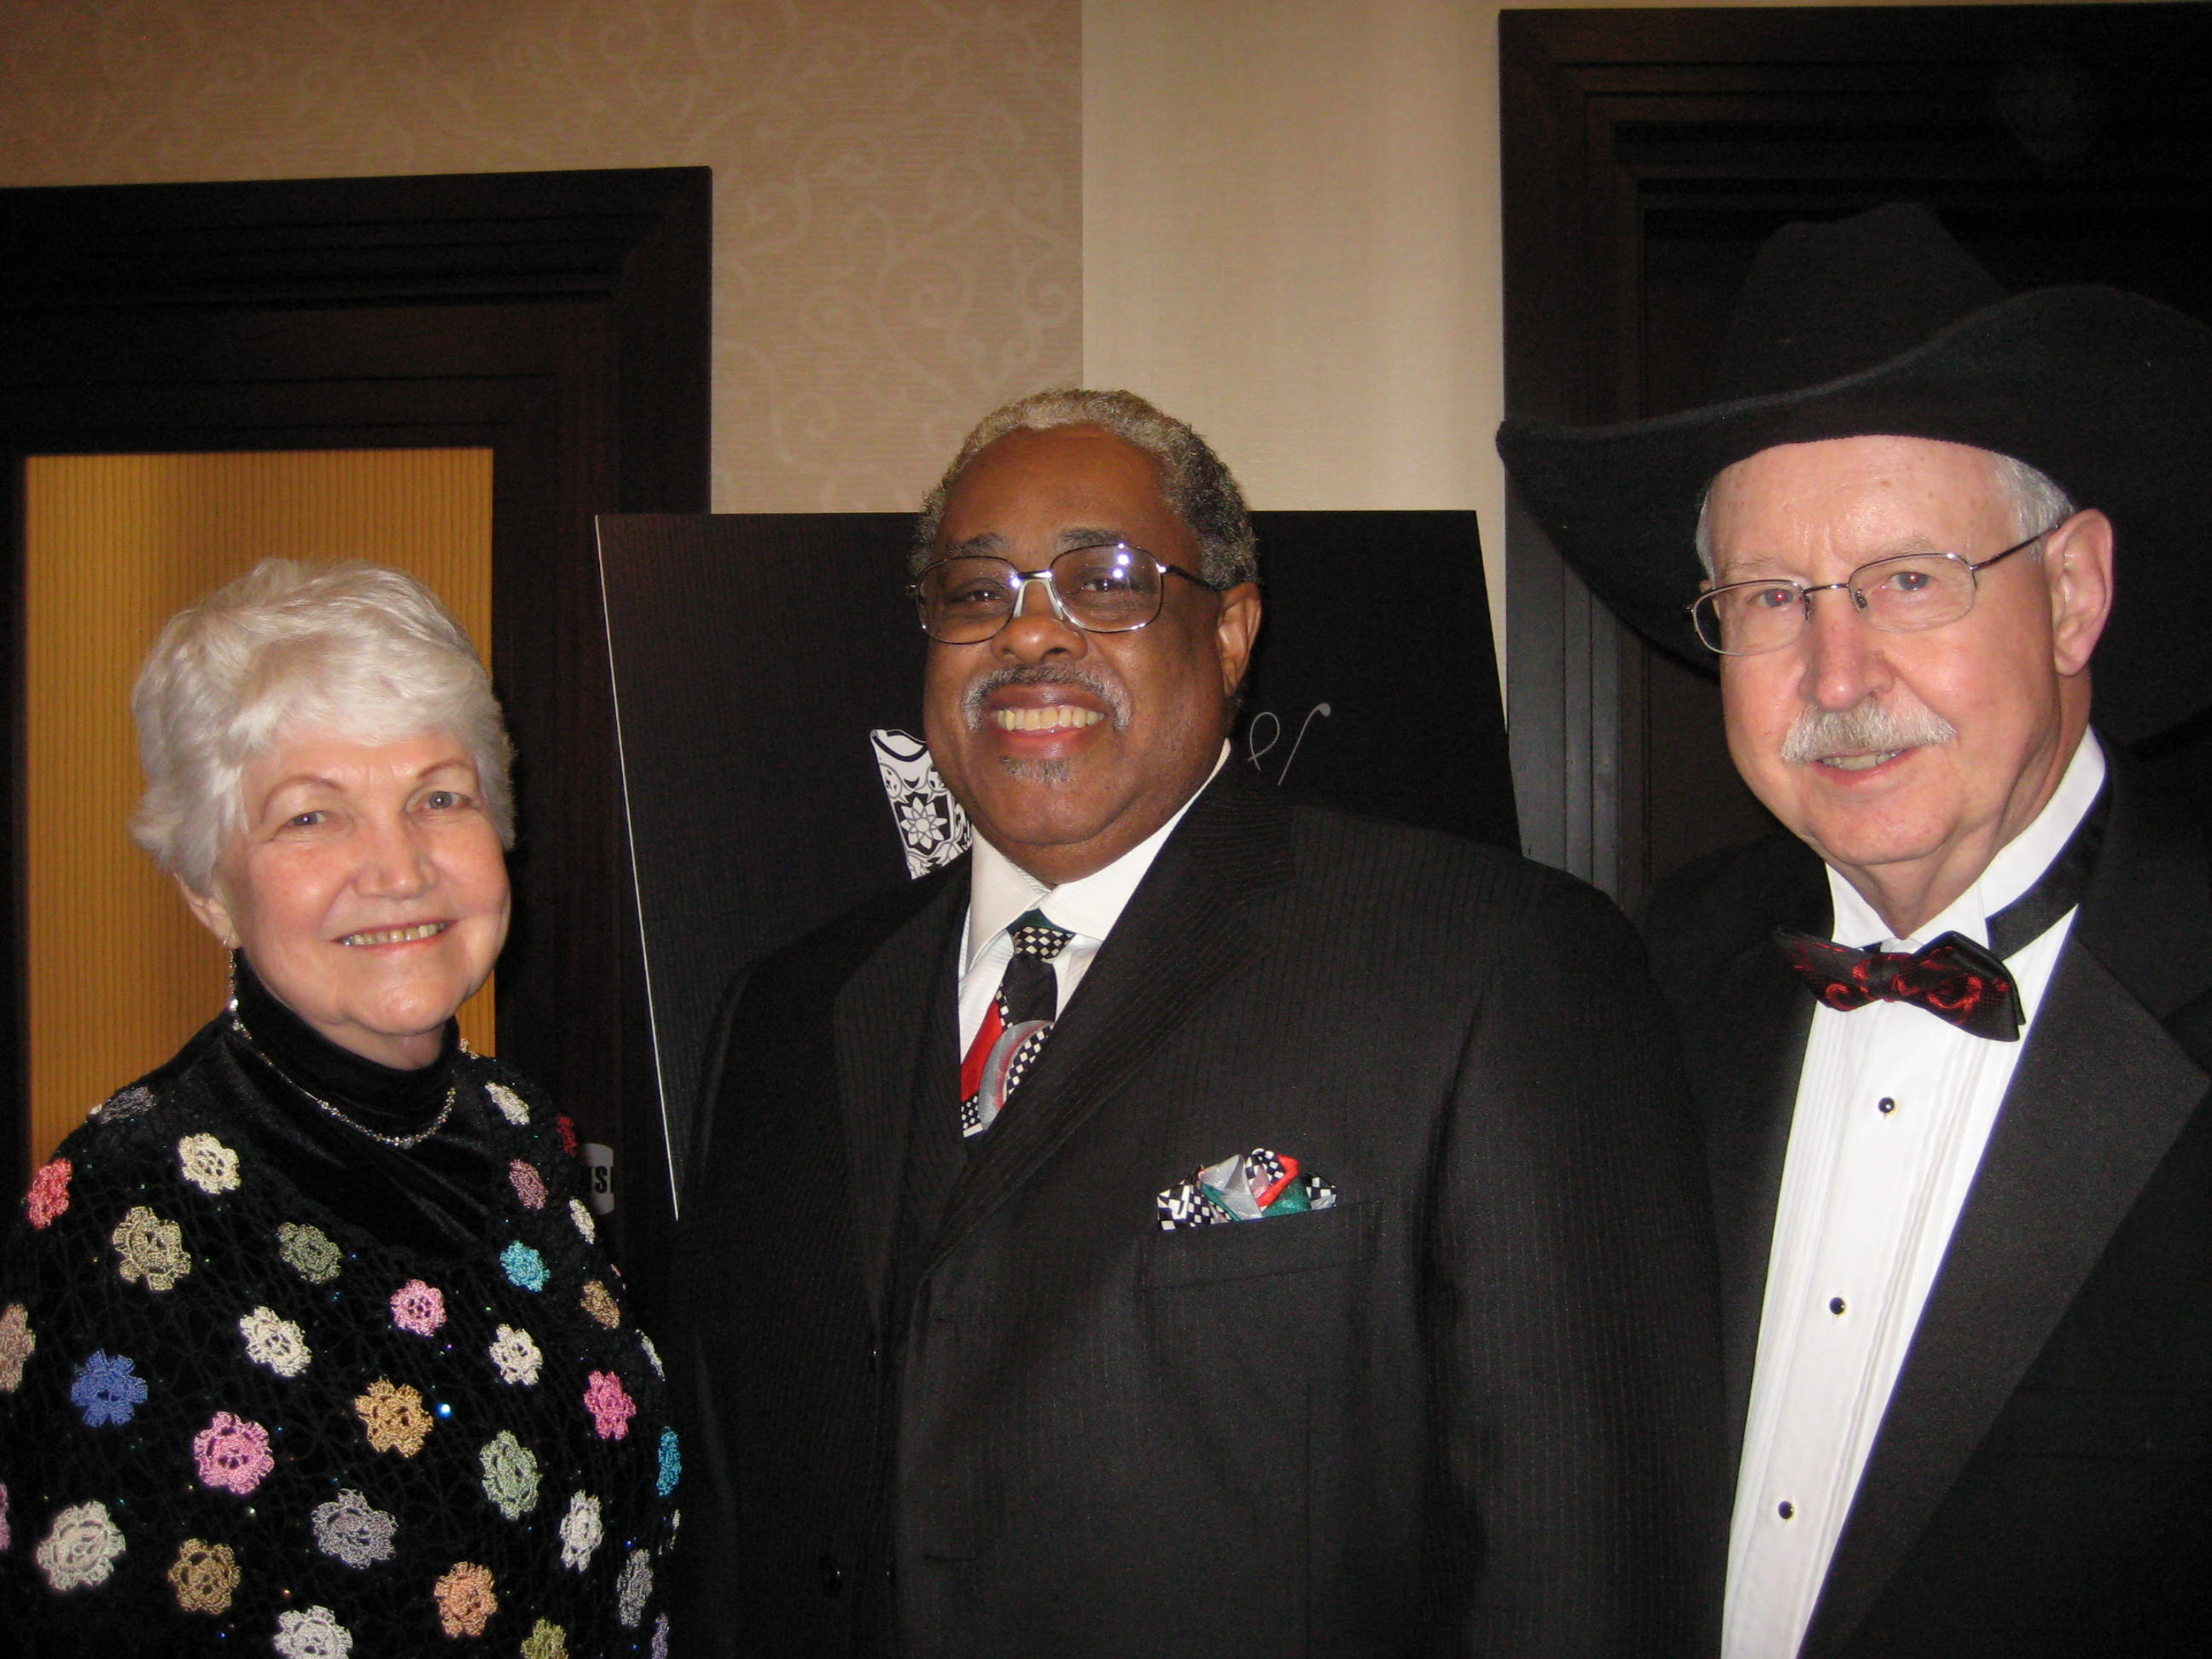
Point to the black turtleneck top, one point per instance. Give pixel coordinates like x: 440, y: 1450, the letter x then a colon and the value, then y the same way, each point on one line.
x: 432, y: 1195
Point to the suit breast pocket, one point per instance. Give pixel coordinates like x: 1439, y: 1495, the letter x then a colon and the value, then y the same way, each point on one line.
x: 1336, y: 1238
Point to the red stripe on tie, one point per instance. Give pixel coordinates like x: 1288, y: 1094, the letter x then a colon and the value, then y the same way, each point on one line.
x: 979, y: 1051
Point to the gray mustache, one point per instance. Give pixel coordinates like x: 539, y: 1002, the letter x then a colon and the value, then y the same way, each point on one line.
x: 1106, y: 691
x: 1861, y: 728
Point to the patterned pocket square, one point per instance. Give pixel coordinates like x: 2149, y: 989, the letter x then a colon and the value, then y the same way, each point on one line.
x: 1249, y: 1186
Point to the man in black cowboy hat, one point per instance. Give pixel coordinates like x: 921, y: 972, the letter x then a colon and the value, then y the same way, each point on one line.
x: 1962, y: 1159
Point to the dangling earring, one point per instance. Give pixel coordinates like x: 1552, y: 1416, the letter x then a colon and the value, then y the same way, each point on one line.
x: 230, y: 969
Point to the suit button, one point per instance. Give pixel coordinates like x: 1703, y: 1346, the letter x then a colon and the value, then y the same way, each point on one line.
x: 833, y: 1575
x: 875, y: 1361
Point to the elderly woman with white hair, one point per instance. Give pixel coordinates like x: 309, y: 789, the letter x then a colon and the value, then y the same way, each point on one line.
x: 307, y: 1345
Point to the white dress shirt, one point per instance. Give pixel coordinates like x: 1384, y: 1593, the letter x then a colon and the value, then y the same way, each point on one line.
x: 1000, y: 891
x: 1895, y: 1108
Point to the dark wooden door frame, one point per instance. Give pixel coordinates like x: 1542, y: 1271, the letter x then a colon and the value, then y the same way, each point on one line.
x: 559, y: 319
x: 1611, y: 117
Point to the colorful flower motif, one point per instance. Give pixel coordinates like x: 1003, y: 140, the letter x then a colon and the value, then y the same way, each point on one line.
x: 393, y: 1415
x: 609, y: 1405
x: 79, y: 1547
x: 596, y: 1301
x: 632, y: 1590
x: 18, y: 1342
x: 124, y: 1103
x: 580, y: 1531
x: 275, y: 1341
x: 529, y: 1185
x: 652, y: 1354
x: 510, y: 1103
x: 465, y: 1601
x: 152, y: 1249
x: 349, y: 1528
x: 580, y: 1214
x: 309, y: 1252
x: 313, y: 1634
x: 208, y: 1163
x: 510, y: 1474
x: 515, y: 1355
x: 49, y: 1195
x: 418, y: 1308
x: 565, y: 1127
x: 546, y: 1640
x: 525, y: 1267
x: 232, y: 1453
x: 660, y: 1638
x: 671, y: 1463
x: 107, y: 1389
x: 204, y: 1576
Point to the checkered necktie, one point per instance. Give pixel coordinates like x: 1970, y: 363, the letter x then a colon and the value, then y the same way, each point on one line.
x: 1015, y: 1025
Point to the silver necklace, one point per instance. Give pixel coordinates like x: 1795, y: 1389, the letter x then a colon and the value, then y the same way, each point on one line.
x: 403, y: 1143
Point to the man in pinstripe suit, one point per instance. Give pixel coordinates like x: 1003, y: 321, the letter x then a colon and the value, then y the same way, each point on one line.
x: 1197, y: 1221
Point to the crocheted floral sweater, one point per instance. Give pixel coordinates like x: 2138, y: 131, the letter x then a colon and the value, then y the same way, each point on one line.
x: 232, y: 1421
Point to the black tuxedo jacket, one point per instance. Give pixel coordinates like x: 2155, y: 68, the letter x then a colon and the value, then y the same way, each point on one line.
x: 1468, y: 1409
x: 2038, y: 1483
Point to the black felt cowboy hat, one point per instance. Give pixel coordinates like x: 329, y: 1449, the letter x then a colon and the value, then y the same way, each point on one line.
x: 1882, y: 325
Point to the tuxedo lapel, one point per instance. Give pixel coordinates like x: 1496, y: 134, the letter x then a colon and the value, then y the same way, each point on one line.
x: 1758, y: 1050
x: 1744, y: 1044
x: 896, y: 1030
x: 2148, y: 915
x: 2099, y: 1095
x: 1179, y: 937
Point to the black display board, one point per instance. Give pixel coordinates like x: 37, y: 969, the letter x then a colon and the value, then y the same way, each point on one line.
x: 754, y: 655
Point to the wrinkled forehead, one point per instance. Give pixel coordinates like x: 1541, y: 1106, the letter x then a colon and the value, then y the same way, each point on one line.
x: 1855, y: 499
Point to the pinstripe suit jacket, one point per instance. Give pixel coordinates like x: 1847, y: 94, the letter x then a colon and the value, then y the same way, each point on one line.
x: 1468, y: 1409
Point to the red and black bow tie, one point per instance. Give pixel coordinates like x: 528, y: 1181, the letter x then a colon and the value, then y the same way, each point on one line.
x: 1951, y: 976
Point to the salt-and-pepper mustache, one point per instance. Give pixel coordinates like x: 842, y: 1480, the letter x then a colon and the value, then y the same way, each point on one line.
x: 1865, y: 728
x: 972, y: 701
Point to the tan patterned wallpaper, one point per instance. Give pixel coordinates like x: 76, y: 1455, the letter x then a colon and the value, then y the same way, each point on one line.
x: 898, y: 206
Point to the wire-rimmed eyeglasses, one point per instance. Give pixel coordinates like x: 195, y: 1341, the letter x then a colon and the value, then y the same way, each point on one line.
x: 1905, y: 594
x: 1109, y: 589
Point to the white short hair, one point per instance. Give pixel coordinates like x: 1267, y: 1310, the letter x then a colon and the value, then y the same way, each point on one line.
x: 358, y: 650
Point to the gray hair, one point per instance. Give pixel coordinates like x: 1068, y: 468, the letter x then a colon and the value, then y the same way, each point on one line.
x: 2038, y: 503
x: 288, y: 649
x: 1197, y: 488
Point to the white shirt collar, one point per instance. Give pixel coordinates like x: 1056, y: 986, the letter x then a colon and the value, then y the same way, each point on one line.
x: 999, y: 890
x: 2017, y: 866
